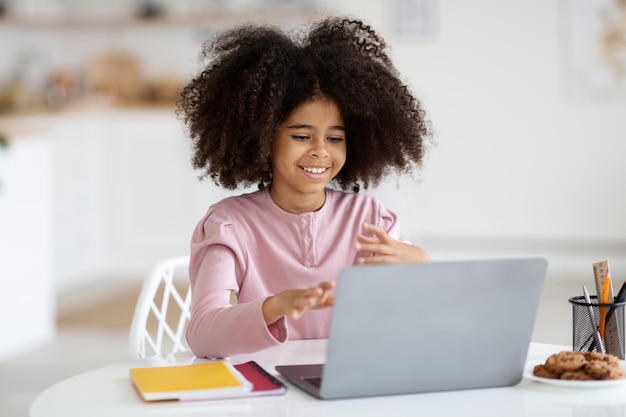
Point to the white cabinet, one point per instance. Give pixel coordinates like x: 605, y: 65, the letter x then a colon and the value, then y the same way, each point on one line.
x: 119, y: 191
x: 27, y: 298
x: 154, y: 198
x: 80, y: 180
x: 126, y: 195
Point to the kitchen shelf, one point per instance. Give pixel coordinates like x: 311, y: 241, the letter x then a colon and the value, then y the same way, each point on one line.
x: 213, y: 19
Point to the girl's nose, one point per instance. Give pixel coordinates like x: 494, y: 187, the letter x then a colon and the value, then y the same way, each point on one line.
x: 318, y: 148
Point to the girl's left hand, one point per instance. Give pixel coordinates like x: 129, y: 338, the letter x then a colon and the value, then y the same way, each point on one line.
x: 385, y: 249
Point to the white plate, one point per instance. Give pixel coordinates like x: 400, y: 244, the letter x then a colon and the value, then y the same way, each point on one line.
x: 566, y: 383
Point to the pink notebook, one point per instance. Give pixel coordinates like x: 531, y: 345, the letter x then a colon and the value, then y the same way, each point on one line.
x: 263, y: 383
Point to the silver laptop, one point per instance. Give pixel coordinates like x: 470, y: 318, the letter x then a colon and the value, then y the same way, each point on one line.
x: 399, y: 329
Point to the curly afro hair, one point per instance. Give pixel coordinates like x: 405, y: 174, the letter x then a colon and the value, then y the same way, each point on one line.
x: 257, y: 75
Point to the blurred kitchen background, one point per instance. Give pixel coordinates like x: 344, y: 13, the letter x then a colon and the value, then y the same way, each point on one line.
x: 527, y: 100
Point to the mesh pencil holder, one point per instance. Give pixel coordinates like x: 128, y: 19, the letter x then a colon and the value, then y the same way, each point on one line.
x: 584, y: 329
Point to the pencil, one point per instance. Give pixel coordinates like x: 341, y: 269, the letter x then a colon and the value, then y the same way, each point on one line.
x: 605, y: 299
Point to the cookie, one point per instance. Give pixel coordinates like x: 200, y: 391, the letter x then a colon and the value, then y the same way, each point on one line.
x: 565, y: 361
x: 541, y: 371
x: 605, y: 357
x: 599, y: 369
x: 579, y: 375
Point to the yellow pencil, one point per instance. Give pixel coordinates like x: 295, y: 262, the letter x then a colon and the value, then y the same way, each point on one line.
x: 605, y: 299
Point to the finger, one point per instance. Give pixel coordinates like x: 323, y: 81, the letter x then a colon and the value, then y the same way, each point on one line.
x: 306, y: 299
x: 312, y: 304
x: 377, y: 249
x: 379, y: 232
x: 295, y: 314
x: 374, y: 260
x: 326, y: 285
x: 367, y: 239
x: 314, y: 292
x: 325, y: 301
x: 329, y: 301
x: 362, y: 242
x: 313, y: 299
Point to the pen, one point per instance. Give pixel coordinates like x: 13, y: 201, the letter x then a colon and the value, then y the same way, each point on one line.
x: 605, y: 299
x: 621, y: 295
x: 596, y: 335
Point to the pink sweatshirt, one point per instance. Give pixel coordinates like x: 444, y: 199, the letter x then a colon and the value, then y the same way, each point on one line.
x: 250, y: 246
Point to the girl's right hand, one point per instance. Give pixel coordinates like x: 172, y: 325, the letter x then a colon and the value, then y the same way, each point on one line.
x: 295, y: 302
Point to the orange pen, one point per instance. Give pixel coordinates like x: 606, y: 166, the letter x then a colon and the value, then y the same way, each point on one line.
x: 605, y: 299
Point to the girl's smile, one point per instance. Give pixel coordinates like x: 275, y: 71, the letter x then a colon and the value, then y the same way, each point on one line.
x: 315, y: 173
x: 308, y: 151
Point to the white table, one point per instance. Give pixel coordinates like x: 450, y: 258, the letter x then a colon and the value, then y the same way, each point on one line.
x: 109, y: 392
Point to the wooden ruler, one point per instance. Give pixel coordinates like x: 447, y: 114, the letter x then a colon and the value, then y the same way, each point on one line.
x: 611, y: 331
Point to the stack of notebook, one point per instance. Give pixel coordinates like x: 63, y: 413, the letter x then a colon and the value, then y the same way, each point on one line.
x: 217, y: 379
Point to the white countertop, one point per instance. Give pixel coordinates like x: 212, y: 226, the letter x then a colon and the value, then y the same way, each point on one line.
x: 18, y: 126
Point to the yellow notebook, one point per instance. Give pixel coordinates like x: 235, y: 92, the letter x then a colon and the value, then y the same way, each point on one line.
x: 205, y: 380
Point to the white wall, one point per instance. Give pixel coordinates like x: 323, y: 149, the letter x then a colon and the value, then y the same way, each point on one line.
x: 520, y: 165
x: 518, y: 153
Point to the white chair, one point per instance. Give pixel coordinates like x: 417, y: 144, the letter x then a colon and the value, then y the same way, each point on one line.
x: 162, y: 311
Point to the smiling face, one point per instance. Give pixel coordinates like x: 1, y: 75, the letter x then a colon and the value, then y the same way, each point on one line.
x: 308, y: 151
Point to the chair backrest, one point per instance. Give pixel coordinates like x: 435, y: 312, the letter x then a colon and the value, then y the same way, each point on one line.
x: 162, y: 311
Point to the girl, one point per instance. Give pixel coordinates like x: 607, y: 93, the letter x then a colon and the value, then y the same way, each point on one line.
x: 307, y: 118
